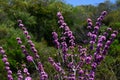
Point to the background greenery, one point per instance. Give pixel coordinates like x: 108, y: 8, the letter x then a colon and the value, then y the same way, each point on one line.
x: 39, y: 16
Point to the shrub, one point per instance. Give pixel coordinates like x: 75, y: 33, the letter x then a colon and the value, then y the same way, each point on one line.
x: 73, y: 61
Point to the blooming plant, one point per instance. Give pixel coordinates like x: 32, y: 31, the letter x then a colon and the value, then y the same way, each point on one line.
x: 72, y: 65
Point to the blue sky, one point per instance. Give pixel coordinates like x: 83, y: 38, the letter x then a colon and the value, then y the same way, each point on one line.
x: 85, y: 2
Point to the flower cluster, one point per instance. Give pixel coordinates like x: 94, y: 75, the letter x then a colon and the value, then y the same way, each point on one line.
x: 43, y: 74
x: 56, y: 66
x: 55, y: 41
x: 67, y: 33
x: 7, y: 65
x: 92, y: 56
x: 27, y: 74
x: 28, y: 57
x: 28, y: 37
x: 19, y: 74
x: 38, y: 65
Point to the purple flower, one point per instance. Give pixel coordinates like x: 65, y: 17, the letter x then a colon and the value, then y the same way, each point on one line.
x: 28, y: 78
x: 71, y: 78
x: 23, y: 46
x: 104, y: 13
x: 29, y: 58
x: 70, y: 65
x: 61, y: 26
x: 9, y: 72
x: 29, y: 41
x: 81, y: 72
x: 94, y: 65
x: 56, y: 66
x: 32, y: 44
x: 23, y: 28
x: 21, y: 25
x: 89, y: 27
x: 7, y: 64
x: 51, y: 60
x: 115, y: 32
x: 56, y: 42
x: 59, y: 14
x: 28, y: 37
x: 88, y: 59
x: 113, y: 35
x: 109, y: 29
x: 103, y: 38
x: 20, y: 77
x: 96, y: 28
x: 92, y: 72
x: 19, y: 42
x: 89, y: 20
x: 81, y: 78
x: 99, y: 19
x: 99, y: 45
x: 4, y: 59
x: 25, y: 52
x: 90, y: 24
x: 25, y: 70
x: 18, y: 38
x: 91, y: 78
x: 10, y: 77
x: 108, y: 43
x: 92, y: 42
x: 98, y: 23
x: 2, y: 52
x: 61, y: 17
x: 26, y: 32
x: 19, y: 21
x: 7, y: 68
x: 43, y: 76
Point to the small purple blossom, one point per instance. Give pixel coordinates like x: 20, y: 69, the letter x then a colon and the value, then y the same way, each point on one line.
x: 29, y: 58
x: 28, y: 78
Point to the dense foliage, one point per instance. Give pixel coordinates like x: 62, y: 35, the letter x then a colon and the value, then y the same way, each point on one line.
x: 39, y: 17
